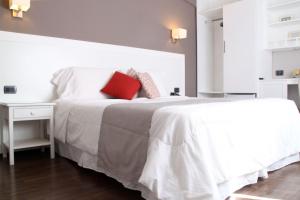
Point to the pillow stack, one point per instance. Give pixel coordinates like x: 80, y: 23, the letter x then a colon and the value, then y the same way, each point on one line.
x: 126, y: 86
x: 85, y: 83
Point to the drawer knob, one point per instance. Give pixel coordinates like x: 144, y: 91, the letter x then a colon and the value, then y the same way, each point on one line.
x: 31, y: 113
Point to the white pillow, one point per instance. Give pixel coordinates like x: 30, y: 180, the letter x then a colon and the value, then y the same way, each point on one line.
x: 81, y: 83
x: 156, y: 79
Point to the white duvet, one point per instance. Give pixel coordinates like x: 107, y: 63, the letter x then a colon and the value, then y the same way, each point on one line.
x: 78, y: 122
x: 195, y: 148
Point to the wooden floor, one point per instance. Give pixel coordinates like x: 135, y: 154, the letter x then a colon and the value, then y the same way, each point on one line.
x: 36, y: 177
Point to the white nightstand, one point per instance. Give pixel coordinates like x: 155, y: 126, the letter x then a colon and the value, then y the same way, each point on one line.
x: 13, y: 112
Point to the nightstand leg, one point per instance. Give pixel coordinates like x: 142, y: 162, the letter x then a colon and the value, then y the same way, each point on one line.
x: 42, y: 133
x: 11, y: 142
x: 4, y: 132
x: 2, y: 125
x: 52, y: 149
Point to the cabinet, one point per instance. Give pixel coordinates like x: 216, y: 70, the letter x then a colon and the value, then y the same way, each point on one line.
x: 230, y: 48
x: 283, y: 25
x: 241, y: 47
x: 10, y: 113
x: 273, y: 89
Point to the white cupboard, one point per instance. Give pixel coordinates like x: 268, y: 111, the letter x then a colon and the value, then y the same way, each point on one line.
x: 230, y: 48
x: 241, y: 47
x: 273, y: 89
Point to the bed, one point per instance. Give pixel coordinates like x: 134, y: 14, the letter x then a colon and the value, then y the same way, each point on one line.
x: 235, y: 142
x: 192, y: 149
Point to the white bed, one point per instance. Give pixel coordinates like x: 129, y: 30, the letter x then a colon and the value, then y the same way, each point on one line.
x: 78, y: 122
x: 237, y: 142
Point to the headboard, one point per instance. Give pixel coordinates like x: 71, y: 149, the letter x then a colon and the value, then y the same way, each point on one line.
x: 29, y: 61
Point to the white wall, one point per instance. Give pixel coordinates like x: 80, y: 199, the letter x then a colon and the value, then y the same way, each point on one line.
x: 218, y: 56
x: 205, y: 51
x: 287, y: 61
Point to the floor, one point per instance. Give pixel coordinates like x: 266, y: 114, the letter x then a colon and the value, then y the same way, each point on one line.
x: 36, y: 177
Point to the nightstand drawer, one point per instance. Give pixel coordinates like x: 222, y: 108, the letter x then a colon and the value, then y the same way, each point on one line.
x: 20, y: 113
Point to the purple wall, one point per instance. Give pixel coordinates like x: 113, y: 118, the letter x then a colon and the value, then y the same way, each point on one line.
x: 135, y: 23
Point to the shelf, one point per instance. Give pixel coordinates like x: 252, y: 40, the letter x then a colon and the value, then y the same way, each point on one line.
x: 284, y: 48
x: 211, y: 92
x: 285, y: 5
x: 30, y: 143
x: 285, y: 45
x: 288, y: 81
x: 214, y: 13
x: 293, y: 21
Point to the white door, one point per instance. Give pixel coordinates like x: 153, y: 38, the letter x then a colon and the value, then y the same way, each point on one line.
x: 240, y: 38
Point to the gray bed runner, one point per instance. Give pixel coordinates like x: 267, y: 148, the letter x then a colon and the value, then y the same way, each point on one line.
x: 123, y: 142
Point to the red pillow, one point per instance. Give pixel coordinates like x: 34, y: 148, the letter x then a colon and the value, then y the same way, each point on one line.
x: 122, y: 86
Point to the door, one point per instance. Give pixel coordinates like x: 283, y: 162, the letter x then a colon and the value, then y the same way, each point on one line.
x: 240, y: 51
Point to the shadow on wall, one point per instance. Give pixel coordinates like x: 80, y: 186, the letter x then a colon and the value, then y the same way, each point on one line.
x: 4, y: 4
x: 13, y: 23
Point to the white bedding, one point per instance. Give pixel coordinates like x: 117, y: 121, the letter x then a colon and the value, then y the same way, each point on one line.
x: 78, y: 122
x: 201, y: 146
x: 193, y: 149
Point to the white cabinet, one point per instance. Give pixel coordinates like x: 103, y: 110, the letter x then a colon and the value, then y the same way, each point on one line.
x: 273, y: 89
x: 241, y: 47
x: 10, y: 113
x: 230, y: 48
x: 283, y: 30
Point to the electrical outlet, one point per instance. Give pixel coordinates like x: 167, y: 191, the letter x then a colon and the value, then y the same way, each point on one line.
x: 279, y: 72
x: 10, y: 89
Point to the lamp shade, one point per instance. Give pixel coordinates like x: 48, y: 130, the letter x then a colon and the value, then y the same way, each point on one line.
x: 179, y: 33
x: 20, y: 5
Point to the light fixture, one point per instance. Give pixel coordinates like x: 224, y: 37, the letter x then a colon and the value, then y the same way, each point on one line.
x: 18, y: 7
x: 178, y: 34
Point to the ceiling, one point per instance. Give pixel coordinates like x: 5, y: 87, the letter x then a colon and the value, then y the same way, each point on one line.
x: 208, y: 4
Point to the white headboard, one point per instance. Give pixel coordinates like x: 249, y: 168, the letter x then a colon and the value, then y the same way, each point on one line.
x: 28, y: 62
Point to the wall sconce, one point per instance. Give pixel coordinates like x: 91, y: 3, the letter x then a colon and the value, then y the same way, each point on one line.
x: 178, y: 34
x: 18, y: 7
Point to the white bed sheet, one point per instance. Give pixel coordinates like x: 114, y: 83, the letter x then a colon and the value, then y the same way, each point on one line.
x: 197, y: 142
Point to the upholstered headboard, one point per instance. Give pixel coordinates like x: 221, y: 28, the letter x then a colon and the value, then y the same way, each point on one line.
x: 28, y: 62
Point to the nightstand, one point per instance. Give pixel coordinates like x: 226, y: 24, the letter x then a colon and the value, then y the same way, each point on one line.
x: 15, y: 112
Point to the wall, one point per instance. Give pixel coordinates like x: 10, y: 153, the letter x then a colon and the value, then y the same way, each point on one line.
x: 205, y: 52
x: 287, y: 61
x: 210, y: 56
x: 136, y: 23
x: 218, y: 56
